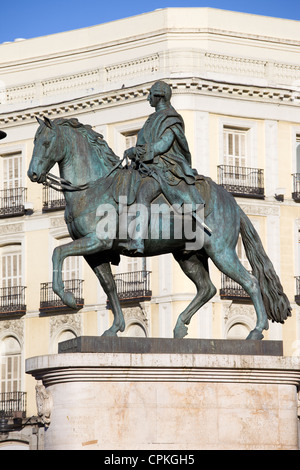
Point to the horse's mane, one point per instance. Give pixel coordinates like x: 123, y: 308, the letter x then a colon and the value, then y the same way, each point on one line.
x: 95, y: 139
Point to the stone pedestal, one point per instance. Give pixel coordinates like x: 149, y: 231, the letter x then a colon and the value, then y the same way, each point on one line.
x: 167, y: 400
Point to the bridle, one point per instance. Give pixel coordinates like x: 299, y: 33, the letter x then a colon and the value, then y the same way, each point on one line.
x: 60, y: 184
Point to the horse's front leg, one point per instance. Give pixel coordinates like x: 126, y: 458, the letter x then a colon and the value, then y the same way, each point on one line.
x: 83, y: 246
x: 105, y: 276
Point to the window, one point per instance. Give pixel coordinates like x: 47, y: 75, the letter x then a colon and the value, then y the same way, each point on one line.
x: 234, y: 174
x: 71, y: 265
x: 296, y: 176
x: 297, y: 278
x: 242, y: 254
x: 10, y: 365
x: 126, y: 140
x: 234, y: 144
x: 11, y: 266
x: 71, y: 275
x: 53, y: 200
x: 130, y: 139
x: 64, y: 335
x: 230, y: 289
x: 12, y: 194
x: 12, y: 291
x: 298, y: 153
x: 12, y: 171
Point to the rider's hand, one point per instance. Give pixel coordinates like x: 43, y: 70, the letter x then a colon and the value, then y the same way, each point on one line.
x: 130, y: 153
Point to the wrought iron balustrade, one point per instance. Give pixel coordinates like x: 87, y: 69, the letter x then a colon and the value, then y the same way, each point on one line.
x: 231, y: 290
x: 133, y: 286
x: 49, y: 301
x: 53, y: 200
x: 296, y: 187
x: 242, y: 181
x: 12, y: 202
x: 13, y: 404
x: 297, y: 295
x: 12, y: 300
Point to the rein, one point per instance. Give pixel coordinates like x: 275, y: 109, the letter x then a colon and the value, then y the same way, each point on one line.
x: 60, y: 184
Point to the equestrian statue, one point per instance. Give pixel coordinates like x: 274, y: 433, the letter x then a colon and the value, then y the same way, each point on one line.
x: 110, y: 212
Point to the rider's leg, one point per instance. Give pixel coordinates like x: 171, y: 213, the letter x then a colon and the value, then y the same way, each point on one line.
x: 148, y: 191
x: 194, y: 203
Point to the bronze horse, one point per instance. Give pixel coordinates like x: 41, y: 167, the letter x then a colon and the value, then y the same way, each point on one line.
x: 90, y: 173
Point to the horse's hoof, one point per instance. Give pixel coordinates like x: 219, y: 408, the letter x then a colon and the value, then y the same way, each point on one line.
x: 255, y: 334
x: 109, y: 333
x: 180, y: 331
x: 69, y: 300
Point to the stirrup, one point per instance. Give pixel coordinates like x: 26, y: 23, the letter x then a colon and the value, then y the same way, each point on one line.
x: 201, y: 222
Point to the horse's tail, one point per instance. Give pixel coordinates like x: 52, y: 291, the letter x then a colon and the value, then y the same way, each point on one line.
x: 276, y: 303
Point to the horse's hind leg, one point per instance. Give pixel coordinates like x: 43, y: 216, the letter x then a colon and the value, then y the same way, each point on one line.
x: 105, y: 276
x: 228, y: 262
x: 196, y: 268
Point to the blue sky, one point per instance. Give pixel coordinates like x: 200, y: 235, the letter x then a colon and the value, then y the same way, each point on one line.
x: 33, y: 18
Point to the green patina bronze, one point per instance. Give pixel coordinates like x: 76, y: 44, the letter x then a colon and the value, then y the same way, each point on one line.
x: 95, y: 180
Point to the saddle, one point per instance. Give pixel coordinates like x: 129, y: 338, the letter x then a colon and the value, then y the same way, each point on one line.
x: 126, y: 182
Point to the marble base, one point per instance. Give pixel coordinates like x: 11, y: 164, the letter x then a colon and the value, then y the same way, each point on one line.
x: 123, y: 401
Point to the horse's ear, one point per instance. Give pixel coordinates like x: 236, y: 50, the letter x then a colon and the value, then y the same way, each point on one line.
x: 39, y: 120
x: 48, y: 122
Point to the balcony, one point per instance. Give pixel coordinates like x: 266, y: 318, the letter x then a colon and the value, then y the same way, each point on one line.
x: 12, y: 301
x: 242, y: 181
x: 231, y: 290
x: 133, y: 287
x: 12, y: 202
x: 53, y: 200
x: 50, y: 302
x: 296, y: 187
x: 297, y: 295
x: 13, y: 404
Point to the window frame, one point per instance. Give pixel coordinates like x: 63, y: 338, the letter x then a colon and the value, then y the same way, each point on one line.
x: 250, y: 127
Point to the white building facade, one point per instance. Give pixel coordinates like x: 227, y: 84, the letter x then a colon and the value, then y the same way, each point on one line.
x: 235, y: 80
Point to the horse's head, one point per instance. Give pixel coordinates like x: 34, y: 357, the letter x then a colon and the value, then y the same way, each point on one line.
x: 46, y: 150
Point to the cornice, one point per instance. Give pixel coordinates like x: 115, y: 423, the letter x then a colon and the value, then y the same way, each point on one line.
x: 142, y: 39
x: 123, y: 367
x: 118, y: 97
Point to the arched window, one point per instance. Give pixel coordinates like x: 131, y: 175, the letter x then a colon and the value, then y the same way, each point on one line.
x: 238, y: 331
x: 64, y: 336
x: 136, y: 330
x: 10, y: 365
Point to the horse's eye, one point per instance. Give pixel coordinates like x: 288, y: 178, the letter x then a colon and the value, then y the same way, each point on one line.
x: 46, y: 144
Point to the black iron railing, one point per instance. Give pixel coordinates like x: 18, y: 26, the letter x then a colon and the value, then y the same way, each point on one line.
x: 52, y: 200
x: 12, y: 300
x: 297, y: 295
x: 242, y: 181
x: 12, y: 202
x: 133, y: 286
x: 296, y: 187
x: 49, y: 301
x: 13, y: 404
x: 231, y: 290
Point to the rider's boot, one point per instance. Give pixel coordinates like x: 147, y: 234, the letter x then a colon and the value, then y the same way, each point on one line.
x: 136, y: 246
